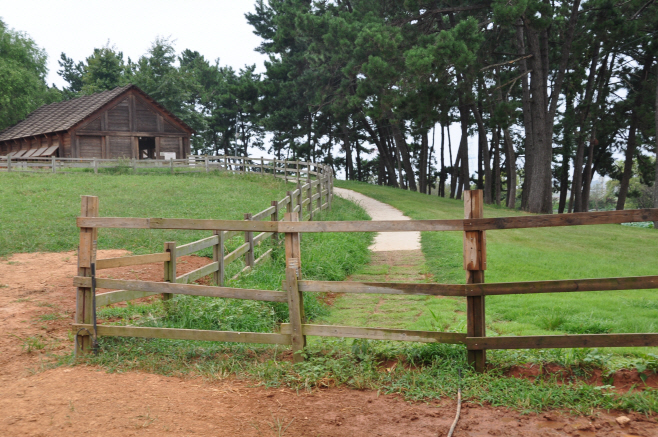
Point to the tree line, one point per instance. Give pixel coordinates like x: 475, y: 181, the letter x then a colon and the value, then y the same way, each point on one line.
x: 554, y: 92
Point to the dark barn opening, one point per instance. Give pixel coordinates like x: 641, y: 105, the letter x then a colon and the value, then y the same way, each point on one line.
x: 147, y: 148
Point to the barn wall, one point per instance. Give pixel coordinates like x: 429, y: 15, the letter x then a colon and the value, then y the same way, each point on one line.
x: 90, y: 147
x: 170, y: 145
x: 120, y: 147
x: 146, y: 120
x: 65, y: 147
x: 118, y: 118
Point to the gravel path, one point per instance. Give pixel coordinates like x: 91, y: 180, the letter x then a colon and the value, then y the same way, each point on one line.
x: 384, y: 241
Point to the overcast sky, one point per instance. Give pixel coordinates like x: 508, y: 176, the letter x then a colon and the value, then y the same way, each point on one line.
x: 214, y: 28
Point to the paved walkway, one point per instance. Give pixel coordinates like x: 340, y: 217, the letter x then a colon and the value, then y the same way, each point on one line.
x: 384, y: 241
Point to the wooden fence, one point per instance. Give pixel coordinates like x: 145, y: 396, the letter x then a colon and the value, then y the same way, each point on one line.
x: 474, y: 228
x: 307, y: 201
x: 285, y: 169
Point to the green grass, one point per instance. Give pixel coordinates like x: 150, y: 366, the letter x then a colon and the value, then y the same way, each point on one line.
x: 531, y: 255
x: 38, y: 210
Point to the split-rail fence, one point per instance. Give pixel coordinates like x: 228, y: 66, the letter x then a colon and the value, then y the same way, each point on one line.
x: 474, y: 227
x: 284, y: 169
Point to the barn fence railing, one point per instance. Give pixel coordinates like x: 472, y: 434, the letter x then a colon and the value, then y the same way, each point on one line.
x: 474, y: 227
x: 285, y: 169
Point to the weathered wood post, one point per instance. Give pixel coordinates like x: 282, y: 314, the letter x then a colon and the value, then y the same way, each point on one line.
x: 300, y: 200
x: 8, y: 162
x: 319, y: 193
x: 475, y: 263
x: 295, y: 297
x: 170, y: 267
x: 298, y: 174
x: 289, y: 205
x: 95, y: 166
x: 218, y: 257
x: 84, y: 300
x: 249, y: 238
x: 205, y: 161
x: 310, y: 194
x: 275, y: 218
x: 54, y: 163
x: 171, y: 165
x: 262, y: 166
x: 134, y: 165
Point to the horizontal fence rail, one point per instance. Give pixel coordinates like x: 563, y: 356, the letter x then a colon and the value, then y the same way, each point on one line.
x: 548, y: 220
x: 294, y: 333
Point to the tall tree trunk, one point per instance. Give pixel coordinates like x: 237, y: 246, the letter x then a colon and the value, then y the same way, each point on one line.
x: 463, y: 151
x: 577, y: 185
x: 510, y: 157
x: 567, y: 143
x: 347, y: 147
x: 454, y: 177
x: 442, y: 174
x: 495, y: 138
x: 538, y: 177
x: 359, y: 174
x: 484, y: 147
x: 527, y: 108
x: 631, y: 144
x: 429, y: 164
x: 422, y: 161
x: 382, y: 148
x: 587, y: 176
x: 406, y: 156
x: 628, y: 163
x: 655, y: 182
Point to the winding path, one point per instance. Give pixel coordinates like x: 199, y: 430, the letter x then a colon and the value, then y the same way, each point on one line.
x: 384, y: 241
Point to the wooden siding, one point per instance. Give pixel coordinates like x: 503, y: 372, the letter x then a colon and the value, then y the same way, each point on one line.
x: 120, y: 147
x: 93, y: 125
x: 170, y: 128
x: 170, y: 145
x: 146, y: 120
x: 90, y: 147
x: 119, y: 117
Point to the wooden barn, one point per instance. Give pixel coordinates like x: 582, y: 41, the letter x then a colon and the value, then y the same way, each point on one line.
x: 120, y: 123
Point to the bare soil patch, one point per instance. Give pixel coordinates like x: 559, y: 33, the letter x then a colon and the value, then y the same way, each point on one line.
x: 37, y: 302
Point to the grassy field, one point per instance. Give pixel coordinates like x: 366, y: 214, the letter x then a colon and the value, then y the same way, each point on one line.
x: 528, y: 255
x: 38, y: 210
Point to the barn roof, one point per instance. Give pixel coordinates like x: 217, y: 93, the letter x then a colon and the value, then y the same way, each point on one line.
x: 61, y: 116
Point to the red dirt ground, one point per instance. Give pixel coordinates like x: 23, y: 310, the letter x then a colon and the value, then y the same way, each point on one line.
x: 36, y: 307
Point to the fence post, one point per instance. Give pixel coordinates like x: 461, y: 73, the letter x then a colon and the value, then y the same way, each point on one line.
x: 170, y: 267
x: 309, y: 193
x: 300, y: 199
x: 475, y: 263
x: 134, y: 166
x: 262, y: 167
x: 295, y: 297
x: 84, y: 301
x: 320, y: 193
x: 249, y: 238
x: 205, y: 161
x: 54, y: 163
x: 218, y: 257
x: 95, y: 166
x: 8, y: 162
x: 275, y: 218
x: 289, y: 205
x: 298, y: 175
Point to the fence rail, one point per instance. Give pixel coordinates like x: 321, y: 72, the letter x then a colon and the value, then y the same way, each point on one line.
x: 475, y: 290
x: 284, y: 169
